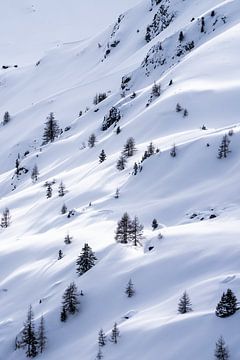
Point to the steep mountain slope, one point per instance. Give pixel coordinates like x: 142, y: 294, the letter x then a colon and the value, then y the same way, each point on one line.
x: 30, y: 28
x: 194, y: 196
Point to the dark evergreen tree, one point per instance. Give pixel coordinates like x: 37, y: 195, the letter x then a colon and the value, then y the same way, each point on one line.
x: 60, y: 254
x: 99, y: 354
x: 49, y: 191
x: 51, y: 130
x: 102, y: 339
x: 124, y: 228
x: 17, y: 163
x: 184, y: 305
x: 102, y: 156
x: 61, y: 189
x: 202, y: 24
x: 91, y: 141
x: 150, y: 149
x: 5, y: 220
x: 41, y: 336
x: 185, y: 113
x: 181, y: 36
x: 64, y: 209
x: 135, y: 168
x: 130, y: 289
x: 223, y: 149
x: 86, y: 260
x: 118, y: 130
x: 117, y: 194
x: 34, y: 174
x: 145, y: 156
x: 178, y: 108
x: 228, y: 304
x: 136, y: 232
x: 29, y: 341
x: 6, y: 118
x: 70, y: 299
x: 121, y: 163
x: 173, y: 151
x: 154, y: 224
x: 99, y: 98
x: 129, y: 148
x: 156, y: 90
x: 221, y: 350
x: 115, y: 334
x: 63, y: 315
x: 68, y: 239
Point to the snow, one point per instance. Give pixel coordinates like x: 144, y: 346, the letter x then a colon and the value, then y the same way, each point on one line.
x: 31, y: 28
x: 198, y: 254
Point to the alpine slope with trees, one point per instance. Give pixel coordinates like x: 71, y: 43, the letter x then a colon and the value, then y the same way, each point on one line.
x: 119, y: 181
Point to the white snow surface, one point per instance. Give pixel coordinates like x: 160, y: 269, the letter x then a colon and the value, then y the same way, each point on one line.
x: 196, y: 253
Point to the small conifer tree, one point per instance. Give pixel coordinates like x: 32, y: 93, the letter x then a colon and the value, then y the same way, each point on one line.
x: 156, y: 90
x: 123, y: 231
x: 91, y: 141
x: 114, y: 334
x: 63, y: 315
x: 223, y: 149
x: 51, y: 130
x: 68, y: 239
x: 221, y: 350
x: 150, y: 149
x: 5, y: 220
x: 178, y: 108
x: 6, y: 118
x: 86, y: 260
x: 136, y: 231
x: 29, y: 340
x: 64, y: 209
x: 121, y: 163
x: 102, y: 339
x: 117, y: 193
x: 102, y: 156
x: 118, y: 130
x: 184, y: 305
x: 181, y: 36
x: 135, y: 168
x: 34, y: 174
x: 99, y: 354
x: 70, y: 301
x: 154, y: 224
x: 41, y: 336
x: 130, y: 289
x: 61, y: 189
x: 49, y: 191
x: 129, y: 148
x: 173, y: 151
x: 228, y: 304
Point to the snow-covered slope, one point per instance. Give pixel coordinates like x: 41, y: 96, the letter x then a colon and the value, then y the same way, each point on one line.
x: 194, y: 196
x: 30, y: 28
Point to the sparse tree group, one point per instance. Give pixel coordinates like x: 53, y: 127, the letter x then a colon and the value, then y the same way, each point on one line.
x: 32, y: 341
x: 129, y: 231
